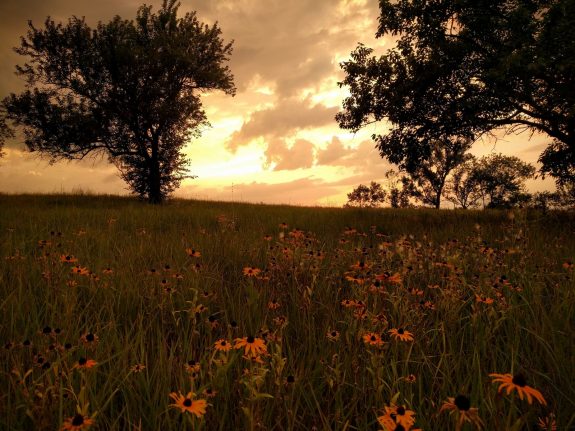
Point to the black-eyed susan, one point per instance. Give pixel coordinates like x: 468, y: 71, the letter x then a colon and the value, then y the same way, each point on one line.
x: 77, y: 422
x: 252, y: 346
x: 333, y: 335
x: 84, y: 363
x: 89, y: 340
x: 461, y: 407
x: 519, y: 383
x: 188, y: 404
x: 192, y: 366
x: 251, y: 271
x: 193, y: 253
x: 273, y: 304
x: 222, y: 345
x: 401, y: 334
x: 373, y: 339
x: 68, y: 258
x: 397, y: 418
x: 547, y: 423
x: 411, y: 378
x: 138, y: 368
x: 209, y: 393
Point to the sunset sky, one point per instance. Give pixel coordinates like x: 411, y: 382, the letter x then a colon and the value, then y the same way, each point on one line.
x: 276, y: 141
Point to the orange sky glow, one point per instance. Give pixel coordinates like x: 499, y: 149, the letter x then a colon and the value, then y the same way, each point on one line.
x: 276, y: 141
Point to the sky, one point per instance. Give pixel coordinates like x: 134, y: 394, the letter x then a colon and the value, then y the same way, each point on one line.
x: 277, y: 140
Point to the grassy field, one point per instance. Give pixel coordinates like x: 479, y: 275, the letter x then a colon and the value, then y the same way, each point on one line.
x: 283, y: 318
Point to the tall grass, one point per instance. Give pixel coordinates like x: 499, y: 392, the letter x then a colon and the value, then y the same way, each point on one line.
x: 419, y: 270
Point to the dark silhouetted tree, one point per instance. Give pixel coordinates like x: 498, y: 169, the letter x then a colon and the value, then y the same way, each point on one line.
x: 429, y: 177
x: 502, y: 180
x: 366, y: 197
x: 465, y: 68
x: 127, y: 89
x: 463, y: 188
x: 400, y: 188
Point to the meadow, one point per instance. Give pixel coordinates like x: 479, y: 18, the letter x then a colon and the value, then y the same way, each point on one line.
x: 118, y: 315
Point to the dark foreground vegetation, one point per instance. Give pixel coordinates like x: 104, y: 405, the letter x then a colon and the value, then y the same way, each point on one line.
x: 285, y: 318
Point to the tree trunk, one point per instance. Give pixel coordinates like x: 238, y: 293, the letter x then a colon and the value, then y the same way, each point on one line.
x: 154, y: 188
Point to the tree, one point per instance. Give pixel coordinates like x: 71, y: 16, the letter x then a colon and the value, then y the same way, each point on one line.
x: 428, y: 179
x: 400, y: 188
x: 502, y: 180
x: 463, y: 188
x: 465, y: 68
x: 129, y: 90
x: 363, y: 196
x: 5, y: 132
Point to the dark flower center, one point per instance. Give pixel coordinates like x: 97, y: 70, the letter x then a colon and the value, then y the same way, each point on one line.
x: 67, y: 346
x: 223, y: 343
x: 290, y: 379
x: 250, y: 339
x: 191, y: 363
x: 399, y: 428
x: 233, y: 323
x: 90, y: 337
x: 519, y: 380
x: 47, y: 330
x: 78, y: 420
x: 212, y: 318
x: 372, y: 338
x: 462, y: 402
x: 333, y: 334
x: 82, y: 361
x: 400, y: 331
x: 187, y: 402
x: 401, y: 410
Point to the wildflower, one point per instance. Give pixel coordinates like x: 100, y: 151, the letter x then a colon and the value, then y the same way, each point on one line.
x: 333, y: 335
x: 209, y: 392
x: 107, y: 270
x: 68, y: 258
x: 222, y: 345
x: 252, y: 346
x: 77, y: 422
x: 461, y: 405
x: 89, y: 340
x: 349, y: 303
x: 80, y: 270
x: 192, y: 366
x: 273, y: 304
x: 518, y: 383
x: 401, y: 334
x: 84, y: 363
x: 547, y: 423
x: 250, y: 271
x: 410, y: 379
x: 484, y: 299
x: 138, y: 368
x: 396, y: 417
x: 193, y: 253
x: 280, y: 321
x: 373, y: 339
x: 188, y: 404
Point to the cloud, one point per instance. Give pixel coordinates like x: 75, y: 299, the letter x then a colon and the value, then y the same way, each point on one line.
x: 299, y: 155
x: 283, y: 120
x: 302, y: 191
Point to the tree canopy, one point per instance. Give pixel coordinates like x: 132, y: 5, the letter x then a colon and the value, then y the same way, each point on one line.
x: 465, y: 68
x: 128, y: 89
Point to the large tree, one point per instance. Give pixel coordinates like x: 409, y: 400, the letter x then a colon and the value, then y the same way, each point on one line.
x: 128, y: 89
x: 429, y: 177
x: 502, y: 179
x: 465, y: 68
